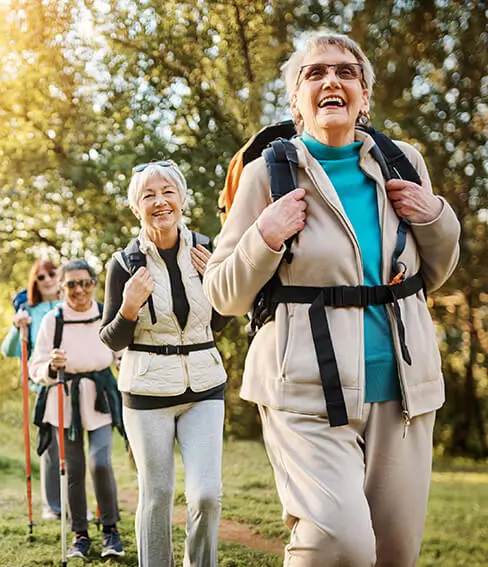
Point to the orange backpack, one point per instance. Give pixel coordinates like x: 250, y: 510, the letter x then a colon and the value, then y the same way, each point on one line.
x: 249, y: 152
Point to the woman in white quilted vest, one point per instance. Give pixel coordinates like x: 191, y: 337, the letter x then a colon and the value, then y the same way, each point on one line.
x: 347, y: 374
x: 171, y: 375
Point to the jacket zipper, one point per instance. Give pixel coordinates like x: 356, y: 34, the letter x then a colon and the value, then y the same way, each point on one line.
x: 405, y: 411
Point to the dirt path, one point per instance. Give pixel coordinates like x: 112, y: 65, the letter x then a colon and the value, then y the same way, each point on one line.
x: 229, y: 531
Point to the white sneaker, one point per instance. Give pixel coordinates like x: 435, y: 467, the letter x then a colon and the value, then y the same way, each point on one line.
x: 50, y: 514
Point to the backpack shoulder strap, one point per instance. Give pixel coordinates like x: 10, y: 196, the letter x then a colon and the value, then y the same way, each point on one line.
x: 394, y: 164
x: 398, y: 165
x: 58, y: 328
x: 131, y: 259
x: 135, y: 258
x: 282, y: 162
x: 122, y: 259
x: 202, y: 239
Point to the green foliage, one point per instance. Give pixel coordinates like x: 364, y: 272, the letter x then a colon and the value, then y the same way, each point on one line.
x: 431, y: 60
x: 89, y: 88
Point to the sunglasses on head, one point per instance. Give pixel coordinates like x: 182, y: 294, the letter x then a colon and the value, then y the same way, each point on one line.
x: 42, y: 277
x: 143, y: 166
x: 84, y: 284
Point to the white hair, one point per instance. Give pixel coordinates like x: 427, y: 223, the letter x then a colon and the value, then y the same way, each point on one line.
x: 170, y: 173
x: 291, y: 69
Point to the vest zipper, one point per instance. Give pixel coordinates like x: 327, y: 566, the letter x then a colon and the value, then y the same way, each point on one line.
x: 180, y: 330
x: 185, y: 364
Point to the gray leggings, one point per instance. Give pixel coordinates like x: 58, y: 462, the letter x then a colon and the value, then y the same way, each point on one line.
x: 100, y: 455
x: 197, y: 427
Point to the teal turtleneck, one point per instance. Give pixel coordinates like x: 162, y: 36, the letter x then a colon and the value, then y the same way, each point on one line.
x: 357, y: 193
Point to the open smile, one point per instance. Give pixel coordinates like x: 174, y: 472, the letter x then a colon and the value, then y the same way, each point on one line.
x: 332, y: 101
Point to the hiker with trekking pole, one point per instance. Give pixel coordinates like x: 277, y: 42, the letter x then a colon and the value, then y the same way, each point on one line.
x: 344, y: 364
x: 31, y: 304
x: 171, y: 376
x: 70, y: 359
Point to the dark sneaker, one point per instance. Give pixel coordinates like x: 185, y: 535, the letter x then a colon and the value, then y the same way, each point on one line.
x: 112, y: 544
x: 80, y: 547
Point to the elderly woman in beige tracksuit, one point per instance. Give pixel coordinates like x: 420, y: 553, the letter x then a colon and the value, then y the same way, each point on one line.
x: 354, y: 489
x: 171, y: 376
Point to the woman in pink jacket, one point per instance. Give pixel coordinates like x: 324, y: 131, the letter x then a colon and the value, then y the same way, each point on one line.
x: 68, y: 338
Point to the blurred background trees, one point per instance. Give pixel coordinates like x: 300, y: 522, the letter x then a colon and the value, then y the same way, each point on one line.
x: 90, y: 88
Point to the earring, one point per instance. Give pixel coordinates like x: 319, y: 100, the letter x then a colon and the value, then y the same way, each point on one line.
x: 297, y: 117
x: 363, y: 118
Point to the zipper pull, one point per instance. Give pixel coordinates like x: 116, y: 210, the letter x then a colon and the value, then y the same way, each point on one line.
x: 406, y: 422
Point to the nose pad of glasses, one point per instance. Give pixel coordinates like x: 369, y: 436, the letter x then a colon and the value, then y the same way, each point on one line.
x: 330, y: 78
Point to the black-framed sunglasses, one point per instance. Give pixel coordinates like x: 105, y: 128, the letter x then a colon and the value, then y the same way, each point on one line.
x: 42, y: 277
x: 84, y: 284
x: 143, y: 166
x: 343, y: 71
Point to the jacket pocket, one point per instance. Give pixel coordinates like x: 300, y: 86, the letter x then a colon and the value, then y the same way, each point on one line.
x: 206, y: 369
x: 421, y: 341
x: 285, y: 338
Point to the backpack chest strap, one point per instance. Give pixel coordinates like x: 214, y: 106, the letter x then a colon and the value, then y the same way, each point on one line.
x: 348, y: 295
x: 343, y: 296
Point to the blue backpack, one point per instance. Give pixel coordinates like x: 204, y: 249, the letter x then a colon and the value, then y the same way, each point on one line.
x: 20, y: 300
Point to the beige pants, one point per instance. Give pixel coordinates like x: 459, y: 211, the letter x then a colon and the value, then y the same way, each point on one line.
x: 353, y: 496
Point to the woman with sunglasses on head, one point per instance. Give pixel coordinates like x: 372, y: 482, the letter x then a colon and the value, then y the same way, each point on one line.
x: 171, y: 375
x: 347, y: 375
x: 69, y: 338
x: 42, y: 297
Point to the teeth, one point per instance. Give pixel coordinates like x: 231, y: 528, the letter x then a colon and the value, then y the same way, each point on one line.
x: 331, y: 99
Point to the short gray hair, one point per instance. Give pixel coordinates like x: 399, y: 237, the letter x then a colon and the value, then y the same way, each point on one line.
x: 170, y: 173
x: 291, y: 68
x: 77, y: 264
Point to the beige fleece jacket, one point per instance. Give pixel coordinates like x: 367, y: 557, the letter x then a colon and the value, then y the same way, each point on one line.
x: 281, y: 369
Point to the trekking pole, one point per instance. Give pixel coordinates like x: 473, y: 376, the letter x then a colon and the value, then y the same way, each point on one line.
x: 62, y: 465
x: 25, y: 403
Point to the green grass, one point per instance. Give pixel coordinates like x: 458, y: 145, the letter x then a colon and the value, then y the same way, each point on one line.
x: 456, y: 531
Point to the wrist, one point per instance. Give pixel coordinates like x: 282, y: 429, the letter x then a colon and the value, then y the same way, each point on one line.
x: 270, y: 240
x: 129, y: 312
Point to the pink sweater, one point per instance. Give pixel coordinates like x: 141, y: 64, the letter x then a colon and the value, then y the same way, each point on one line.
x: 85, y: 353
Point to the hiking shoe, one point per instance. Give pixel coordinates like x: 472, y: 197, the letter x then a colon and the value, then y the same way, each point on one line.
x: 80, y: 547
x: 112, y: 544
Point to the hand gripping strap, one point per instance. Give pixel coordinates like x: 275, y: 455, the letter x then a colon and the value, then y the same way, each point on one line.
x: 282, y: 163
x: 133, y: 259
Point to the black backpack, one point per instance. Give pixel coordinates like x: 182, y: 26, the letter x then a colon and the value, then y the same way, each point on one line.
x: 282, y: 163
x: 60, y: 322
x: 132, y: 259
